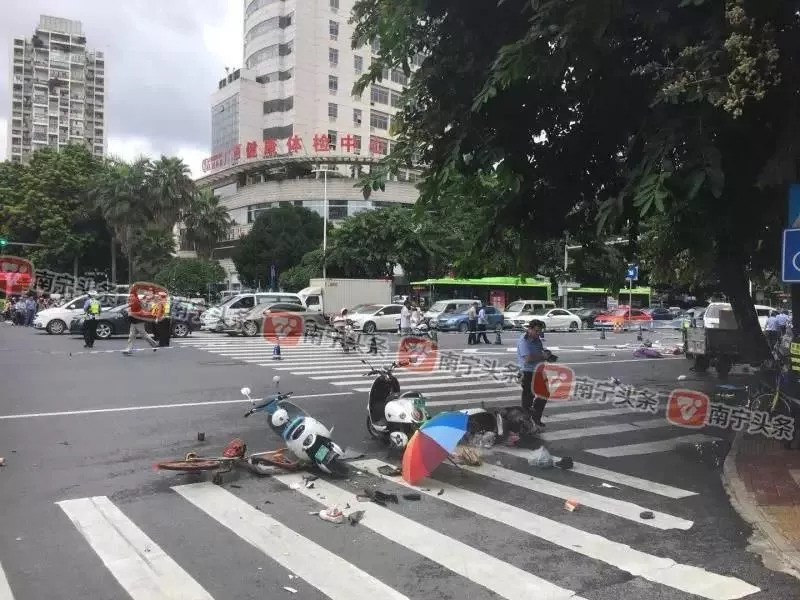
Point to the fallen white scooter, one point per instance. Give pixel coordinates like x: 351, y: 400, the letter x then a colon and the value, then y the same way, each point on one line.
x: 305, y: 437
x: 391, y: 416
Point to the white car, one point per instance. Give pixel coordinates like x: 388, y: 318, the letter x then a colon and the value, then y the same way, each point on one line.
x: 56, y: 320
x: 553, y: 318
x: 520, y: 309
x: 711, y: 316
x: 376, y: 317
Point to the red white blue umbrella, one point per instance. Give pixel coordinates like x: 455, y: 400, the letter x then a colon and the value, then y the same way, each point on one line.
x: 432, y: 444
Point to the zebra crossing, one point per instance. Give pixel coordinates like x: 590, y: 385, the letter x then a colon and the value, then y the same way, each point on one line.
x: 463, y: 385
x: 409, y: 550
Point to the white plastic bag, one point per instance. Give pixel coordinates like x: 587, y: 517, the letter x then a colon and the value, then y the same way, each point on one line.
x: 541, y: 458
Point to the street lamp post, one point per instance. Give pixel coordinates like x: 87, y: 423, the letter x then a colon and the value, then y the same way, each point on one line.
x: 324, y: 221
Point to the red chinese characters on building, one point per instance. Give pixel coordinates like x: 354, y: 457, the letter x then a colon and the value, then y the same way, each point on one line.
x: 237, y: 152
x: 348, y: 142
x: 321, y: 143
x: 378, y: 145
x: 270, y: 147
x: 294, y: 144
x: 252, y: 149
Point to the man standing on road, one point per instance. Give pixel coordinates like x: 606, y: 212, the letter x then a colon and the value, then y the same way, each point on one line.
x: 136, y: 324
x: 30, y: 311
x: 781, y: 321
x: 482, y: 323
x: 472, y: 323
x: 771, y: 331
x: 405, y: 318
x: 164, y: 319
x: 91, y: 310
x: 531, y: 353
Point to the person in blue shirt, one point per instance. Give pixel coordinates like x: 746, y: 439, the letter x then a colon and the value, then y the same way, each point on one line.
x: 530, y: 354
x: 771, y: 330
x: 781, y: 321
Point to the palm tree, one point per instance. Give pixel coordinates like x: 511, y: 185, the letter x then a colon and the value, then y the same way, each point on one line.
x: 171, y: 190
x: 207, y: 222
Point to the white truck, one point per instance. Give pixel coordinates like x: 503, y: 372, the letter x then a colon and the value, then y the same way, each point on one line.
x: 332, y: 295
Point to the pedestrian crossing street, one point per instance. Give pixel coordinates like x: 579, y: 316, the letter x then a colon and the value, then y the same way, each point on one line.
x: 452, y: 542
x: 469, y: 384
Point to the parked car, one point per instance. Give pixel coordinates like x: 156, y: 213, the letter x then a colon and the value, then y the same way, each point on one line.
x: 458, y: 321
x: 553, y: 318
x: 376, y: 317
x: 56, y: 320
x: 114, y: 321
x: 252, y: 323
x: 588, y: 315
x: 445, y: 307
x: 711, y: 315
x: 520, y: 309
x: 243, y: 303
x: 625, y: 318
x: 660, y: 314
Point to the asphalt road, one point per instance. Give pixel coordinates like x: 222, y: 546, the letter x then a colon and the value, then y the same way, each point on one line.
x: 83, y: 514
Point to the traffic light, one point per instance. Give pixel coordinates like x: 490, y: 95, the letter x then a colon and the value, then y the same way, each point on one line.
x: 3, y: 242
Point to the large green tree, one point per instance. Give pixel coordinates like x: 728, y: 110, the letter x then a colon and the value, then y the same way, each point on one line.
x: 189, y: 277
x: 206, y: 221
x: 279, y: 236
x: 601, y: 112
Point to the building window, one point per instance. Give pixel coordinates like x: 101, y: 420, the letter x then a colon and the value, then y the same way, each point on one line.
x: 358, y: 63
x: 357, y: 144
x: 332, y: 139
x: 335, y: 4
x: 333, y: 110
x: 357, y: 117
x: 337, y: 210
x: 399, y: 77
x: 379, y: 95
x: 376, y: 45
x: 333, y: 84
x: 397, y: 100
x: 274, y: 76
x: 278, y: 105
x: 277, y: 133
x: 379, y: 120
x: 269, y: 52
x: 378, y: 145
x: 269, y: 25
x: 333, y: 57
x: 333, y: 29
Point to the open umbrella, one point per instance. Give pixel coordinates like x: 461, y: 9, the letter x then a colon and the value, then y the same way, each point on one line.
x: 432, y: 444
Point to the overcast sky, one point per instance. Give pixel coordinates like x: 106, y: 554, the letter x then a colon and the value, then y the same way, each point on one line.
x: 163, y: 61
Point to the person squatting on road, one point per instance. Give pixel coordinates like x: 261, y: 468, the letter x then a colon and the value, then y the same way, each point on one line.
x: 531, y: 353
x: 137, y: 325
x: 91, y: 310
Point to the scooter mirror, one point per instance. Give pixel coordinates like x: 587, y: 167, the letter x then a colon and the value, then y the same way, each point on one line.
x: 245, y: 391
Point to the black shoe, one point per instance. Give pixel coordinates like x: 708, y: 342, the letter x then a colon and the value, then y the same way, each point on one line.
x: 539, y: 423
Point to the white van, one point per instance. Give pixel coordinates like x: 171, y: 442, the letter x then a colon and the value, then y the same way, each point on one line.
x: 711, y: 316
x: 445, y: 307
x: 244, y: 303
x: 56, y: 320
x: 522, y: 308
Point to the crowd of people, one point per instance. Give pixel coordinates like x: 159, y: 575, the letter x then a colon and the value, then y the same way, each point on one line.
x: 21, y: 310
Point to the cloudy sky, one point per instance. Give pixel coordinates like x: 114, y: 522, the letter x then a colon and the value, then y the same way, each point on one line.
x: 163, y: 61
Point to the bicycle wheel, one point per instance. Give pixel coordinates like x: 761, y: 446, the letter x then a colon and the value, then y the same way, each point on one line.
x: 189, y: 465
x: 763, y: 402
x: 277, y: 458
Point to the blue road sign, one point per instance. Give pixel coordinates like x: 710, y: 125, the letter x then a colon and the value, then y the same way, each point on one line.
x: 794, y: 206
x: 791, y: 256
x: 632, y: 272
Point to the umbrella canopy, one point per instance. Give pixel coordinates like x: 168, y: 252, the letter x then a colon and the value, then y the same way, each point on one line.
x: 432, y: 444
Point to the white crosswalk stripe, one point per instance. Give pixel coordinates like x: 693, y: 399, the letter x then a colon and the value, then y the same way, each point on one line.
x: 304, y: 546
x: 5, y: 589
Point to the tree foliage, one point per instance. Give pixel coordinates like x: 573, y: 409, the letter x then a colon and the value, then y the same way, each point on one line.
x: 188, y: 276
x: 207, y: 221
x: 297, y: 277
x: 279, y: 236
x: 604, y: 115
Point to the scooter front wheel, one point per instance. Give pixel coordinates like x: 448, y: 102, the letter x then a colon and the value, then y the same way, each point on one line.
x: 374, y: 433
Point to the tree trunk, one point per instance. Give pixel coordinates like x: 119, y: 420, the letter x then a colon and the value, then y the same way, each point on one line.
x: 735, y: 284
x: 113, y: 260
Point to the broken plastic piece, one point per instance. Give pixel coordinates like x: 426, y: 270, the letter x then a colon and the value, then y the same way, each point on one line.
x: 681, y: 377
x: 2, y: 462
x: 355, y: 517
x: 647, y: 515
x: 608, y: 485
x: 389, y: 471
x: 382, y: 498
x: 412, y: 496
x: 295, y: 486
x: 565, y: 463
x: 332, y: 515
x: 201, y: 436
x: 571, y: 505
x: 291, y: 590
x: 440, y: 492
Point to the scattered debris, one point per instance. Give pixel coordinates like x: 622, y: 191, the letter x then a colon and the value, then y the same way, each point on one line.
x: 355, y: 517
x: 541, y: 458
x: 681, y: 377
x: 292, y: 576
x: 332, y: 515
x: 346, y: 506
x: 267, y: 501
x: 615, y: 380
x: 425, y: 489
x: 19, y: 539
x: 412, y: 496
x: 291, y: 590
x: 440, y: 492
x: 647, y: 352
x: 234, y: 485
x: 310, y: 478
x: 260, y: 568
x: 64, y: 443
x: 608, y: 485
x: 565, y: 463
x: 571, y: 505
x: 389, y: 471
x: 647, y: 515
x: 295, y: 486
x: 359, y: 473
x: 467, y: 456
x: 309, y: 484
x: 2, y: 462
x: 201, y: 436
x: 382, y: 498
x: 512, y: 439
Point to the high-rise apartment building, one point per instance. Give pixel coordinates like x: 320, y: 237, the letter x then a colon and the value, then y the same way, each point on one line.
x: 297, y: 75
x: 57, y: 91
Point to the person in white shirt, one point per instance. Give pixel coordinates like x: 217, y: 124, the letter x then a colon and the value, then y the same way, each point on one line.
x: 472, y: 323
x: 482, y: 322
x: 416, y: 317
x: 405, y: 318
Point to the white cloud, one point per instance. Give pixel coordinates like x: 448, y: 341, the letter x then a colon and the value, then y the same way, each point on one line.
x: 131, y: 148
x: 224, y: 40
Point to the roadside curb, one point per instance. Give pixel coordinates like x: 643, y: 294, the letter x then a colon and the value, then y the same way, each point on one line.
x: 777, y: 553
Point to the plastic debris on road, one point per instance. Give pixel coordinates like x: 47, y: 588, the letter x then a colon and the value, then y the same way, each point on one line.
x: 681, y: 377
x: 646, y: 515
x: 608, y: 485
x: 291, y: 590
x: 565, y: 463
x: 389, y: 471
x: 2, y: 462
x: 571, y: 505
x: 332, y: 515
x: 467, y: 456
x: 541, y: 458
x: 355, y: 517
x: 412, y: 496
